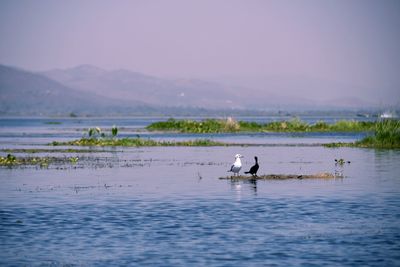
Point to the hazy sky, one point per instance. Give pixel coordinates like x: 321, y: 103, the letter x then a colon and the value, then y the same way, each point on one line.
x: 350, y: 42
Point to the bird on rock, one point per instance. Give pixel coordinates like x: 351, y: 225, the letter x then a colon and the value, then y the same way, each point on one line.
x: 237, y: 165
x: 253, y: 170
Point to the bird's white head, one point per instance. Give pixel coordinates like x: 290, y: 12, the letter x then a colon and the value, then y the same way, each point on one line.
x: 238, y: 156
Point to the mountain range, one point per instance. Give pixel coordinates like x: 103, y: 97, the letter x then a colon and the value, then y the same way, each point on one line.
x: 91, y: 90
x: 27, y: 93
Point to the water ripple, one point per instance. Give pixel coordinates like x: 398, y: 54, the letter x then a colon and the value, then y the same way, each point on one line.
x: 255, y: 232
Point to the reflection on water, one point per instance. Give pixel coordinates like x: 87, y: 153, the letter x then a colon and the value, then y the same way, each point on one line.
x: 236, y: 186
x: 166, y: 206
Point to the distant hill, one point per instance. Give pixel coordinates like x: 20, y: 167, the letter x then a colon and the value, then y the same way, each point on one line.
x: 88, y: 90
x: 27, y: 93
x: 128, y: 85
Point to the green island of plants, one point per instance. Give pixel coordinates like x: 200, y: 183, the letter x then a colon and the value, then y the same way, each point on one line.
x: 136, y: 142
x: 231, y: 125
x: 386, y: 135
x: 96, y: 137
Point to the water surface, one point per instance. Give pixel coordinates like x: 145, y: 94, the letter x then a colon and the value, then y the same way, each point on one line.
x: 166, y: 206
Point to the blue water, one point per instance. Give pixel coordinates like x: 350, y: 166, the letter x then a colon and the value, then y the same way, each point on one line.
x: 212, y: 231
x: 166, y: 206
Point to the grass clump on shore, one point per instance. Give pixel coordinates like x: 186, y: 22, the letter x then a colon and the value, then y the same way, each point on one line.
x: 386, y: 135
x: 231, y: 125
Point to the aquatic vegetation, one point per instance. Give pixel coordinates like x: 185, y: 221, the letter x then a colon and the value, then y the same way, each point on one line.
x: 41, y: 150
x: 339, y: 166
x: 352, y: 126
x: 338, y: 144
x: 95, y: 137
x: 251, y: 126
x: 386, y: 134
x: 294, y: 125
x: 322, y: 126
x: 53, y: 122
x: 190, y: 126
x: 95, y: 132
x: 42, y: 162
x: 114, y: 131
x: 11, y: 160
x: 197, y: 142
x: 8, y: 160
x: 341, y: 162
x: 136, y: 142
x: 230, y: 125
x: 73, y: 159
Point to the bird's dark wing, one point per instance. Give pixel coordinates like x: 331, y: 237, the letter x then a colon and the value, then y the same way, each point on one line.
x: 231, y: 168
x: 254, y: 169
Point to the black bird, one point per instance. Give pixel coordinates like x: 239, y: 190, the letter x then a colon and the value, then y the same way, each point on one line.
x: 253, y: 170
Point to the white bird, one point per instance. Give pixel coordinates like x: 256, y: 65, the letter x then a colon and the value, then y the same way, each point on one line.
x: 237, y: 165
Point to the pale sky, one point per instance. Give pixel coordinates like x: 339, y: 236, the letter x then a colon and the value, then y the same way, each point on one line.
x: 351, y: 42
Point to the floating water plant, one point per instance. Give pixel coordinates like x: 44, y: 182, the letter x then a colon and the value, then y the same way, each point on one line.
x: 114, y: 131
x: 341, y: 162
x: 73, y: 159
x: 63, y: 150
x: 43, y: 162
x: 8, y: 160
x: 11, y: 160
x: 95, y: 132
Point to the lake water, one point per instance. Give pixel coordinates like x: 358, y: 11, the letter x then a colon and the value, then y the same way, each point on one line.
x: 166, y: 206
